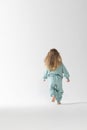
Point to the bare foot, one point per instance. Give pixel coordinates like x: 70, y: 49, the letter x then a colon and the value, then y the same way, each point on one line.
x: 59, y: 103
x: 53, y: 99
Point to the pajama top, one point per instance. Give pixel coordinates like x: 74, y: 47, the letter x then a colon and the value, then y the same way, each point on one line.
x: 55, y: 77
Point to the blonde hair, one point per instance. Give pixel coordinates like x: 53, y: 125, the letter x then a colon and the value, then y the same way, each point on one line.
x: 53, y: 59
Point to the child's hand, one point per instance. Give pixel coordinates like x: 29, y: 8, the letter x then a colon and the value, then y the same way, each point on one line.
x: 68, y: 80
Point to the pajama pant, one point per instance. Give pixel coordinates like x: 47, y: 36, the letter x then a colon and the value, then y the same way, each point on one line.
x: 56, y: 87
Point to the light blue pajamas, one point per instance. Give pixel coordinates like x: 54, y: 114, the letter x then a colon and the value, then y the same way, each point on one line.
x: 55, y: 81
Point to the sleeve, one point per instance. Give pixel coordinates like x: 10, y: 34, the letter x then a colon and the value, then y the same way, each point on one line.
x: 45, y: 75
x: 65, y: 72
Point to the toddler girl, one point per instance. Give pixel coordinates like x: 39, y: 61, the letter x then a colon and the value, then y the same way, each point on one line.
x: 55, y: 73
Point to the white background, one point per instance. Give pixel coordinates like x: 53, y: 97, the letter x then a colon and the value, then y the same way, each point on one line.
x: 28, y: 29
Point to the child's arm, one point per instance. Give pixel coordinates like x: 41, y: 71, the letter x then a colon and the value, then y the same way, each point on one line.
x: 45, y: 75
x: 66, y: 73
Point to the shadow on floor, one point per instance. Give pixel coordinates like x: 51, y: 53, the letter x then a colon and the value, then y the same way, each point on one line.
x: 74, y: 103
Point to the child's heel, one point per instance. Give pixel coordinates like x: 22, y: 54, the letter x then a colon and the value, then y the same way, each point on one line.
x: 53, y: 99
x: 59, y: 103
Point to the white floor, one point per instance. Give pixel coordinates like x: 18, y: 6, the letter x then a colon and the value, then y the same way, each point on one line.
x: 68, y: 116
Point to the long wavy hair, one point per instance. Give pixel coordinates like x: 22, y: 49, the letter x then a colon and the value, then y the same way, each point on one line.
x: 53, y: 59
